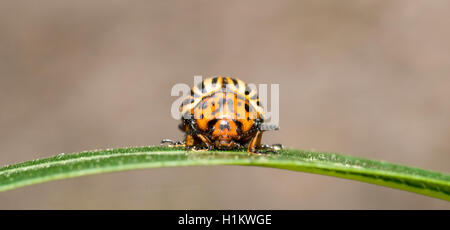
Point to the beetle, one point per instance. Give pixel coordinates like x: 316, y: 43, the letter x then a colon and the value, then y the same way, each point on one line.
x: 223, y: 113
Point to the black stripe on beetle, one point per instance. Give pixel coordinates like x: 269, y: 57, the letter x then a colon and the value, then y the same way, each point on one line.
x: 195, y: 94
x: 235, y: 82
x: 214, y: 81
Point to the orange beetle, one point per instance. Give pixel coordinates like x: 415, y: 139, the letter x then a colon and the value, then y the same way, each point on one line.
x: 223, y: 113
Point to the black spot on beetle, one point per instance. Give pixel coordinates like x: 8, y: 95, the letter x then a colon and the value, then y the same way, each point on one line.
x: 247, y: 108
x: 247, y: 90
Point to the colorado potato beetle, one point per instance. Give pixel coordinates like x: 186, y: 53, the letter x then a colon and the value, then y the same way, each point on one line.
x: 223, y: 113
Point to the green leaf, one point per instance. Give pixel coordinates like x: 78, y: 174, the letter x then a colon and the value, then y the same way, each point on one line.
x: 62, y: 166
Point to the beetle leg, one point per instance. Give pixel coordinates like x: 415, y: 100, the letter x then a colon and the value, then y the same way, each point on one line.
x: 255, y: 143
x: 271, y: 148
x: 189, y: 143
x: 269, y: 127
x: 172, y: 143
x: 167, y: 141
x: 205, y: 140
x: 276, y: 147
x: 192, y: 143
x: 255, y: 146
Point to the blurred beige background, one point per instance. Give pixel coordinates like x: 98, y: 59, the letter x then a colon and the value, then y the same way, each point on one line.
x: 364, y: 78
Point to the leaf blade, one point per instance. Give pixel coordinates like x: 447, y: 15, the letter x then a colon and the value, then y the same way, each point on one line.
x: 406, y: 178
